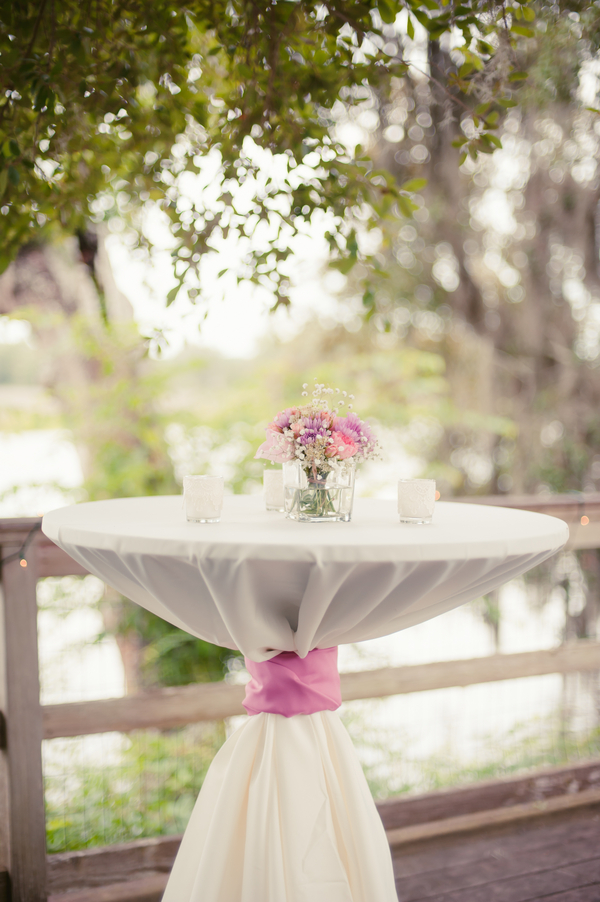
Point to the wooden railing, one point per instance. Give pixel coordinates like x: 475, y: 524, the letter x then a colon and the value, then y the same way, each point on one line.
x: 24, y: 723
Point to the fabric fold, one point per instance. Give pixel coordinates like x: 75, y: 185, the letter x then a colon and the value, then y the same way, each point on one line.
x: 290, y: 685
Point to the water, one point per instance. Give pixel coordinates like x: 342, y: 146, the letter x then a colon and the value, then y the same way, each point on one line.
x: 318, y: 504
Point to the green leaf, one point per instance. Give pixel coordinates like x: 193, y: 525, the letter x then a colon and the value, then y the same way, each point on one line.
x: 495, y: 140
x: 410, y: 28
x: 518, y: 76
x: 523, y: 30
x: 344, y: 265
x: 528, y: 14
x: 423, y: 18
x: 387, y: 11
x: 13, y: 176
x: 173, y: 294
x: 3, y: 181
x: 406, y: 206
x: 414, y: 185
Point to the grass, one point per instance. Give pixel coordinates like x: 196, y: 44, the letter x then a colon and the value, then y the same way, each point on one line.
x: 147, y: 787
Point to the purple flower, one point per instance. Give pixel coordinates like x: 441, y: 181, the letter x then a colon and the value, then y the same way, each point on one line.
x: 313, y: 427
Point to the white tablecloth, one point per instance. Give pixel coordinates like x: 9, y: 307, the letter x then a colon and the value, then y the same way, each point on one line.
x: 264, y: 584
x: 285, y: 814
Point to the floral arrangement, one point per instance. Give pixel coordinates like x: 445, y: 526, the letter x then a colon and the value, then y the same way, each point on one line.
x: 318, y: 437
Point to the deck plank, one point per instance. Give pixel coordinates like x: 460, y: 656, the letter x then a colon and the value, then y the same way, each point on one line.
x: 465, y: 850
x: 589, y: 893
x: 495, y: 866
x: 558, y: 862
x: 522, y: 888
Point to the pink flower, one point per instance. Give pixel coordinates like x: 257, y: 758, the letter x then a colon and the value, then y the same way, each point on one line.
x: 277, y: 447
x: 324, y: 415
x: 342, y: 446
x: 282, y: 420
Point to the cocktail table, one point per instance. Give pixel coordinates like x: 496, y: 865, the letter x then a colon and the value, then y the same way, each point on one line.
x: 285, y: 814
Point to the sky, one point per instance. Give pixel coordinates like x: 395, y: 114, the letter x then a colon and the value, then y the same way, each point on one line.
x: 237, y: 321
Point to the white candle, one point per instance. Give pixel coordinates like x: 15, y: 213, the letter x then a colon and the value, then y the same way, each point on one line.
x: 416, y: 499
x: 273, y: 489
x: 203, y: 498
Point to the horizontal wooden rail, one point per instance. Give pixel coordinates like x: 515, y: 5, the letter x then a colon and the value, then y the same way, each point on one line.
x: 568, y: 505
x: 498, y: 817
x: 570, y: 658
x: 580, y: 510
x: 165, y: 708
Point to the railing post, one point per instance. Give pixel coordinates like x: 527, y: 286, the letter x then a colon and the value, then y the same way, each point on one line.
x: 22, y: 818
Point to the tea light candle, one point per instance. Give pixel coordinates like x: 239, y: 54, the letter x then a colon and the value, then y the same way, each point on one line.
x: 203, y: 498
x: 273, y: 489
x: 416, y: 499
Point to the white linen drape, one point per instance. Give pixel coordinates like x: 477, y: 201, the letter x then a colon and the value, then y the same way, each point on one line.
x: 285, y: 815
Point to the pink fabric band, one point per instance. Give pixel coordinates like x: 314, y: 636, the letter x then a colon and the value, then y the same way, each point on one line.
x: 289, y: 685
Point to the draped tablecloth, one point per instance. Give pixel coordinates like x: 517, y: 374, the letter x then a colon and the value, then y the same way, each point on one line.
x: 285, y: 814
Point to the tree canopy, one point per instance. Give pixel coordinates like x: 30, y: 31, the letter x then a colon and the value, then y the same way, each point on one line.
x: 106, y: 107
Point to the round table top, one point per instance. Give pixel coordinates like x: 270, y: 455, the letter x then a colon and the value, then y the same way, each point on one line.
x: 264, y: 584
x: 157, y: 525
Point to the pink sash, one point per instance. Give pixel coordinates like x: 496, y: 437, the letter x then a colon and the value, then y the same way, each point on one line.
x: 289, y: 685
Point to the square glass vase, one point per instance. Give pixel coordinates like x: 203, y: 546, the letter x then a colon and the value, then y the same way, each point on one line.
x: 319, y: 496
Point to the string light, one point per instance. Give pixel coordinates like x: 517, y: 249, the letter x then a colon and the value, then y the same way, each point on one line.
x: 584, y: 520
x: 20, y: 554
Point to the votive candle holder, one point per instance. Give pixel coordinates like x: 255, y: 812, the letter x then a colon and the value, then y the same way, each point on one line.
x: 273, y: 490
x: 203, y: 498
x: 416, y: 500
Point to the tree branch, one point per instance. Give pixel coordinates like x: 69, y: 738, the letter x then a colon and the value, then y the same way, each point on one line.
x: 35, y: 28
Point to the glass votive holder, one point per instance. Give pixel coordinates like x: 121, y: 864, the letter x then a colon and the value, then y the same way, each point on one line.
x: 203, y: 498
x: 416, y: 499
x: 273, y: 489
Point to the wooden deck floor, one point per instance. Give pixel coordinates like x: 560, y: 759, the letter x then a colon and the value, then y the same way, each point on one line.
x: 555, y: 862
